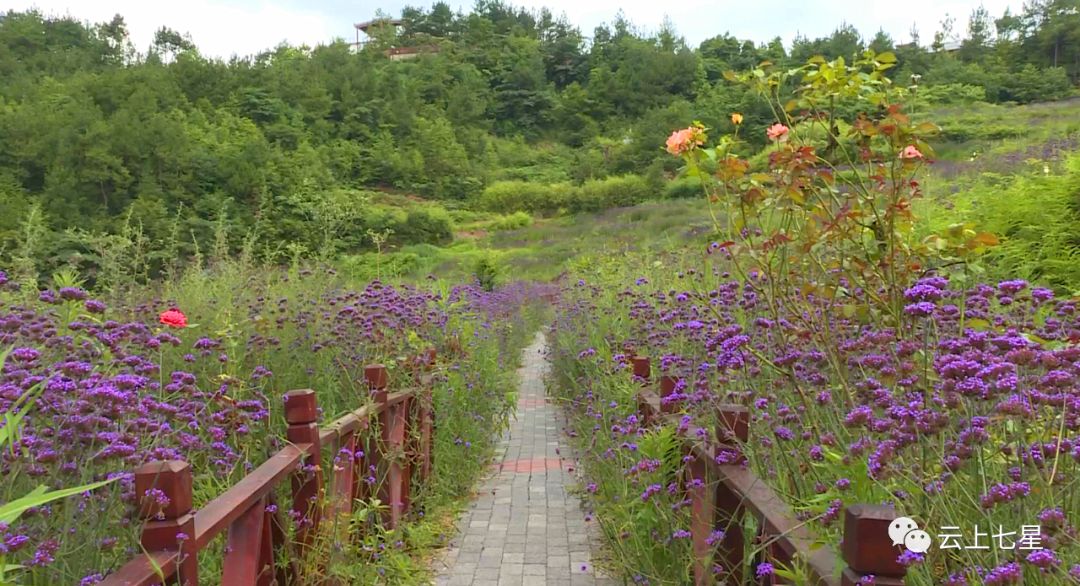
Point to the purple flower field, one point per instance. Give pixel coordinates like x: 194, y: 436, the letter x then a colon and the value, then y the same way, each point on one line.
x: 112, y: 386
x: 968, y: 414
x: 875, y: 366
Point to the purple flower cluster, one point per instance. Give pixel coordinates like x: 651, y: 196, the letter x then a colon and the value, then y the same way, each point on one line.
x: 971, y: 395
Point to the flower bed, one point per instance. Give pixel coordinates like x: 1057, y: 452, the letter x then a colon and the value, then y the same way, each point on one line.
x: 199, y: 376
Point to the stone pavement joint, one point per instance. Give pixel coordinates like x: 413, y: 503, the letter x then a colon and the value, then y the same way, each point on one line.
x: 524, y: 528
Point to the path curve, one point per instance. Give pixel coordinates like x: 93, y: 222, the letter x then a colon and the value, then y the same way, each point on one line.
x: 524, y: 528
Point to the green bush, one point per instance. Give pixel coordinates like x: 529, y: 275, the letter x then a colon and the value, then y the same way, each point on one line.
x: 1031, y: 84
x: 594, y: 195
x: 683, y: 188
x: 426, y: 226
x: 982, y: 125
x: 521, y: 196
x: 513, y: 221
x: 368, y: 266
x: 601, y: 194
x: 951, y: 94
x: 487, y: 272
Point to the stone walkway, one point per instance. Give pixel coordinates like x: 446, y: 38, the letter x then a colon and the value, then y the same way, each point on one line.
x: 524, y: 529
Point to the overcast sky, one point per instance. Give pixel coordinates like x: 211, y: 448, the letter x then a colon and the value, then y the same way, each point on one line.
x: 225, y: 27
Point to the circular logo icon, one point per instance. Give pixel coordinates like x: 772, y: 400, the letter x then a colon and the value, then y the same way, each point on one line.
x: 899, y: 528
x: 917, y: 541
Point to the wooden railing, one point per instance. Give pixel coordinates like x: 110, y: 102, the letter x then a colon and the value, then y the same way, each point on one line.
x: 259, y: 550
x: 722, y: 495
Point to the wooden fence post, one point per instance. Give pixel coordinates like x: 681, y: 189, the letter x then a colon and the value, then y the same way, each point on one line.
x: 667, y: 388
x: 301, y: 413
x: 409, y: 414
x: 641, y: 371
x: 376, y: 377
x: 733, y: 425
x: 867, y: 547
x: 249, y: 550
x: 170, y: 525
x: 394, y: 443
x: 641, y: 368
x: 700, y: 491
x: 392, y: 436
x: 733, y: 428
x: 427, y: 421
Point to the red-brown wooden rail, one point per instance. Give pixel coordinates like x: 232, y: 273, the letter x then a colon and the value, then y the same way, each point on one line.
x: 173, y: 534
x: 721, y: 495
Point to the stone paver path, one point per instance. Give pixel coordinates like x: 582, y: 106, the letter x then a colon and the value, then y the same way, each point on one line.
x: 524, y: 529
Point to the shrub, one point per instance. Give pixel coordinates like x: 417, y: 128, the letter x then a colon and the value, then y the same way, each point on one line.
x: 511, y: 222
x: 368, y: 266
x: 487, y: 272
x: 951, y: 94
x: 683, y: 188
x: 425, y: 226
x: 518, y: 196
x: 1031, y: 84
x: 601, y: 194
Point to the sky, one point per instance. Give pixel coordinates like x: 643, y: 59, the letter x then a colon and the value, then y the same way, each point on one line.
x: 243, y: 27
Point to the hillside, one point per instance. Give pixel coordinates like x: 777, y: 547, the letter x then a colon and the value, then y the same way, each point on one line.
x: 169, y: 153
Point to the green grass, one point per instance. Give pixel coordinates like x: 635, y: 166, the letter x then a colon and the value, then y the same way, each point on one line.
x: 545, y: 247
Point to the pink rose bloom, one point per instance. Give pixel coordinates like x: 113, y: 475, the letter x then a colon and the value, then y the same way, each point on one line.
x: 910, y: 152
x: 683, y: 140
x: 777, y: 132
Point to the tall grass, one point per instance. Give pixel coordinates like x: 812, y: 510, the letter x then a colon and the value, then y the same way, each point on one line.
x: 1035, y: 212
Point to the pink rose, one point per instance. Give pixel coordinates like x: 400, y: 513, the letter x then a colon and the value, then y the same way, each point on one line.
x: 777, y: 132
x: 684, y: 140
x: 910, y: 152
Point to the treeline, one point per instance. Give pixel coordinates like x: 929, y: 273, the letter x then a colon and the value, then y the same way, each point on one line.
x: 98, y: 138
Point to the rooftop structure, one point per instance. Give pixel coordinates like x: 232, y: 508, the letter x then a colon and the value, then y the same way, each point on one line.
x: 394, y: 53
x: 362, y: 27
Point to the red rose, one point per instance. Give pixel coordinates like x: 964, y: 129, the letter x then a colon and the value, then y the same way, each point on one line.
x: 174, y: 318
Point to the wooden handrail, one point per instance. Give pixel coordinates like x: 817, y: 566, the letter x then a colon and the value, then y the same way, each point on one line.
x: 173, y: 535
x: 721, y: 494
x: 141, y: 571
x: 221, y: 512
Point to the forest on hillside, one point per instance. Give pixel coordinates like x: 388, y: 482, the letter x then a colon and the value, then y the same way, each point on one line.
x: 102, y: 140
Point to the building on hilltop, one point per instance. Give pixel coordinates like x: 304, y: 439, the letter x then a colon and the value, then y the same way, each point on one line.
x: 395, y: 52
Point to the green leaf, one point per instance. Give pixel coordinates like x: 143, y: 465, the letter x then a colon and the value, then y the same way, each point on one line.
x: 9, y: 434
x: 42, y: 496
x: 1037, y: 339
x: 787, y: 575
